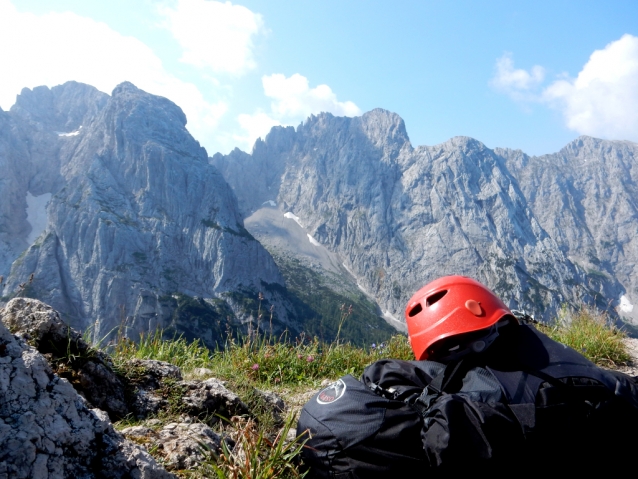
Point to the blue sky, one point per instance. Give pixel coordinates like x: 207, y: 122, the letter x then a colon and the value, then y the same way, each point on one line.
x: 528, y: 75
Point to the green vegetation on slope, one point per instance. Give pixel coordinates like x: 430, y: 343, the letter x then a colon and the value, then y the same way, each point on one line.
x: 287, y: 367
x: 328, y: 307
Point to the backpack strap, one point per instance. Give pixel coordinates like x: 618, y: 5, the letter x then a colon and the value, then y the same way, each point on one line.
x: 440, y: 383
x: 437, y: 387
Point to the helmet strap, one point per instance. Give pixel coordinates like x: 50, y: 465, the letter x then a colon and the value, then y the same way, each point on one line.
x: 477, y: 345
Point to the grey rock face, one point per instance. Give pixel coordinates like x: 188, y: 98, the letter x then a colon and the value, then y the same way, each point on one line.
x: 145, y: 377
x: 585, y: 197
x: 183, y: 445
x: 136, y: 215
x: 400, y: 217
x: 33, y: 150
x: 274, y: 403
x: 153, y: 372
x: 48, y: 431
x: 91, y: 370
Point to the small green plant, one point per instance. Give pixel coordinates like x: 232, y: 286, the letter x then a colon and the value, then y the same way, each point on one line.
x: 255, y: 456
x: 591, y: 333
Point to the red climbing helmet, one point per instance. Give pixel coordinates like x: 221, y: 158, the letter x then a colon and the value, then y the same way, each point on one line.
x: 451, y: 306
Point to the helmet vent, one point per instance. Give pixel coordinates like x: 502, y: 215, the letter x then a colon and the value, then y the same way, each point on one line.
x: 416, y: 310
x: 435, y: 297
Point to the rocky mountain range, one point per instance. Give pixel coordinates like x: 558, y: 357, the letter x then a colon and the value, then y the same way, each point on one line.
x: 113, y: 213
x: 540, y: 231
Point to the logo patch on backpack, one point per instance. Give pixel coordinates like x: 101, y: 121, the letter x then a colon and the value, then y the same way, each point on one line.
x: 331, y: 393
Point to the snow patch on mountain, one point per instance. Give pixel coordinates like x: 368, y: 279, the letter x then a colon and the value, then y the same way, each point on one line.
x: 392, y: 320
x: 313, y: 241
x: 292, y: 216
x: 37, y: 214
x: 72, y: 133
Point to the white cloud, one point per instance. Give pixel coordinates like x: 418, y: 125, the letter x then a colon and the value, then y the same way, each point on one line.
x: 214, y: 35
x: 603, y: 99
x: 53, y: 48
x: 517, y: 83
x: 293, y: 101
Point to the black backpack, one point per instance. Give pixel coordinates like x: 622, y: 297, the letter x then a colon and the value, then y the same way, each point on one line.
x: 553, y: 408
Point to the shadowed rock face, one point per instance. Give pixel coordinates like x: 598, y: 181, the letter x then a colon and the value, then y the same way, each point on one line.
x: 136, y: 215
x: 400, y: 217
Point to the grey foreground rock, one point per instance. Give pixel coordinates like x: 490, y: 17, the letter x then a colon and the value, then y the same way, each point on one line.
x: 183, y: 445
x: 146, y: 377
x: 47, y: 430
x: 211, y: 397
x: 274, y: 403
x: 49, y: 427
x: 41, y: 326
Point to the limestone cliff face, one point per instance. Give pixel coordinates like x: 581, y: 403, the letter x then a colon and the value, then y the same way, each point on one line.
x: 586, y: 198
x: 399, y: 217
x: 34, y: 146
x: 137, y: 214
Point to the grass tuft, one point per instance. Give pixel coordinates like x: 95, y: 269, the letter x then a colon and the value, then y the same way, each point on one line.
x: 591, y: 333
x: 255, y: 455
x: 302, y: 362
x: 177, y: 351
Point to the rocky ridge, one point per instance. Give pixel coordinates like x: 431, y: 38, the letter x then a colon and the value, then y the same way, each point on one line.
x: 141, y: 232
x: 399, y: 216
x: 585, y: 197
x: 47, y: 430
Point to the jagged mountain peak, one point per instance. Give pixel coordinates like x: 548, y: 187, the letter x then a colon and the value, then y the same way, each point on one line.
x: 384, y: 127
x: 63, y: 108
x: 381, y: 128
x: 399, y: 217
x: 465, y: 142
x: 587, y: 146
x: 125, y: 95
x: 276, y: 138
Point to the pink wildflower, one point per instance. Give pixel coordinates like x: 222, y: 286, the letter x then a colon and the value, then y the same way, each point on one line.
x: 310, y: 359
x: 255, y: 367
